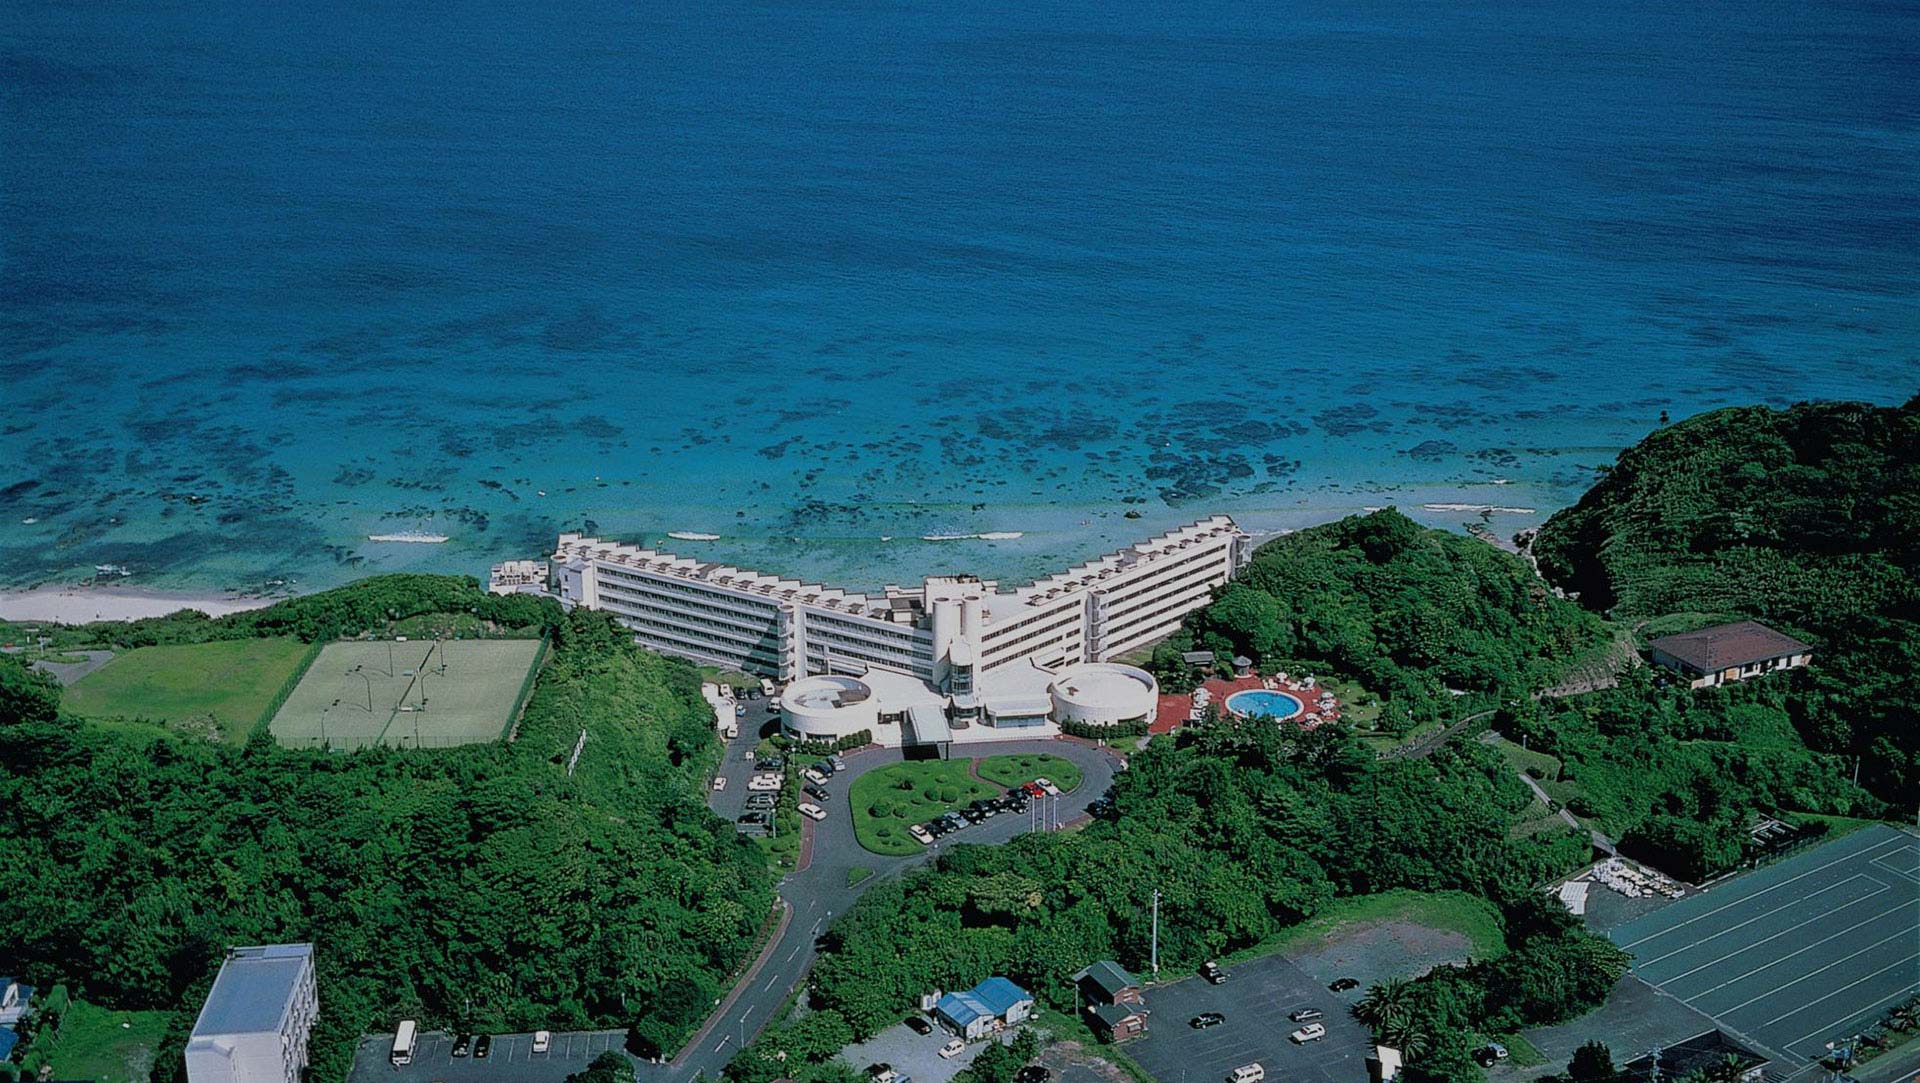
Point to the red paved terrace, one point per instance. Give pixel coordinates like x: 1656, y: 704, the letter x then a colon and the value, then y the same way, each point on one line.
x: 1174, y: 710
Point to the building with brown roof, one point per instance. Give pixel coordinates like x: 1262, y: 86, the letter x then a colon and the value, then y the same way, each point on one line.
x: 1729, y: 652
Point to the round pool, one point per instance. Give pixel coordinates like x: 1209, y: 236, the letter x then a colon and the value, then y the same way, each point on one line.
x: 1256, y: 702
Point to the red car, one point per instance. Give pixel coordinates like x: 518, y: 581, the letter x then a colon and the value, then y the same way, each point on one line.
x: 1033, y: 790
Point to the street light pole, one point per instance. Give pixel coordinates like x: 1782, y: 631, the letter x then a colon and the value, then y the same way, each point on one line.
x: 1156, y: 932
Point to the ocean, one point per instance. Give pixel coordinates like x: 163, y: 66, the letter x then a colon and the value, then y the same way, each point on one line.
x: 828, y: 279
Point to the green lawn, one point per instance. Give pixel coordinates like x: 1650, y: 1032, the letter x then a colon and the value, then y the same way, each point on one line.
x: 220, y: 689
x: 1452, y: 911
x: 100, y: 1044
x: 857, y: 874
x: 1538, y: 764
x: 888, y: 801
x: 1011, y: 771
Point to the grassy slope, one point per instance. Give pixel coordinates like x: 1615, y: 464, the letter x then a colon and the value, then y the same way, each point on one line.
x: 100, y: 1044
x: 1453, y: 911
x: 231, y: 681
x: 888, y: 801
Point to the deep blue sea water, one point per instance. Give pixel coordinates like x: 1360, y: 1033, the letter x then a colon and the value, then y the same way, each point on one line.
x: 810, y: 275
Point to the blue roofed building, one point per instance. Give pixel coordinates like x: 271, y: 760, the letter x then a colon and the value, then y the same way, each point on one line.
x: 8, y: 1039
x: 986, y: 1007
x: 16, y: 1001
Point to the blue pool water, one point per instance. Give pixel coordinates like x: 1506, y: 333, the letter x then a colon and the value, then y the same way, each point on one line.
x: 826, y: 278
x: 1258, y: 702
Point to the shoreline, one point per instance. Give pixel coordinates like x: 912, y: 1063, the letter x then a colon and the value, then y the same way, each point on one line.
x: 81, y: 605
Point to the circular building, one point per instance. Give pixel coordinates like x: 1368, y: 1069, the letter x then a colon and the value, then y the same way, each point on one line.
x: 828, y: 708
x: 1103, y: 694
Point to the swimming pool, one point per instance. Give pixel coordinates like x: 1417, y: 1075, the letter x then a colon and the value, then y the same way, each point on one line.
x: 1259, y: 701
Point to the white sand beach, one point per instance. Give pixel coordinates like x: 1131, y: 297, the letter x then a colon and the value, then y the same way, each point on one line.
x: 78, y: 605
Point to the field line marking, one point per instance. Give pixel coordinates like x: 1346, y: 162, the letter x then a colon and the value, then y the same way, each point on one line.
x: 1810, y: 976
x: 1910, y: 875
x: 1783, y: 958
x: 1759, y: 917
x: 1765, y: 890
x: 1909, y: 959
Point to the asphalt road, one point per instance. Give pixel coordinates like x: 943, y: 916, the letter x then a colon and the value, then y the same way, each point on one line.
x: 821, y: 890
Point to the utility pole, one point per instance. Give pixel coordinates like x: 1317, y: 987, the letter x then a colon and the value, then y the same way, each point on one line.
x: 1156, y: 932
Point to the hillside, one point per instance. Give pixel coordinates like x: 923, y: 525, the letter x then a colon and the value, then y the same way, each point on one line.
x: 482, y: 879
x: 1409, y: 612
x: 1806, y: 518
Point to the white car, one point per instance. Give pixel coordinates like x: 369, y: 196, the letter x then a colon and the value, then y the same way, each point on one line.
x: 1312, y: 1032
x: 1047, y: 785
x: 953, y: 1049
x: 812, y: 811
x: 921, y: 835
x: 765, y: 782
x: 542, y: 1040
x: 719, y: 782
x: 813, y: 776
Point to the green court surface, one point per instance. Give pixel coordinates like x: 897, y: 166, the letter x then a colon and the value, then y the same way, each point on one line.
x: 220, y: 689
x: 1795, y: 954
x: 419, y: 693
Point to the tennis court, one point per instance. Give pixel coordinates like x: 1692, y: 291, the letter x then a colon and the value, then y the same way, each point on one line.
x: 1793, y: 955
x: 418, y: 693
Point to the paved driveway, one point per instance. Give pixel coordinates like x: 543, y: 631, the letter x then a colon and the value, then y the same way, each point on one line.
x: 1256, y: 1002
x: 916, y: 1055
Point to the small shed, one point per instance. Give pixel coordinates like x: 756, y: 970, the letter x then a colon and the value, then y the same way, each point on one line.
x: 1106, y: 982
x: 1242, y: 666
x: 1117, y: 1022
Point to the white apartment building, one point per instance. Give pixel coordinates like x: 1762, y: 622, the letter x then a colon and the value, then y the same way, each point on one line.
x: 254, y: 1025
x: 967, y: 642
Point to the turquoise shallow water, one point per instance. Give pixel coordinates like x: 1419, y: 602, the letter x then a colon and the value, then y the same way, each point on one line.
x: 808, y: 276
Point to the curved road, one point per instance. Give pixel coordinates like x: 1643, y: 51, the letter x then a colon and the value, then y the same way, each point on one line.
x: 821, y: 890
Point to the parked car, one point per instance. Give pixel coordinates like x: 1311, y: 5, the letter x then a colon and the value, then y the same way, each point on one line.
x: 1312, y: 1032
x: 972, y: 815
x: 936, y: 828
x: 953, y: 1049
x: 816, y: 792
x: 924, y: 837
x: 1341, y: 985
x: 815, y: 776
x: 766, y: 782
x: 881, y: 1072
x: 1033, y: 789
x: 1307, y: 1015
x: 1212, y: 972
x: 919, y: 1026
x: 542, y: 1041
x: 839, y: 764
x: 1490, y: 1054
x: 761, y: 800
x: 1046, y: 784
x: 719, y: 782
x: 754, y: 817
x: 1032, y: 1073
x: 482, y: 1046
x: 462, y: 1045
x: 812, y: 811
x: 1206, y: 1019
x: 1247, y: 1073
x: 827, y: 768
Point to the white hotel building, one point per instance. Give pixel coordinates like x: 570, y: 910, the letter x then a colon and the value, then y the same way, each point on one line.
x: 942, y: 661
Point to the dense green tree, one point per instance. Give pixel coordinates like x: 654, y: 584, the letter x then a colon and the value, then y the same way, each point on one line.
x: 608, y: 1067
x: 425, y: 878
x: 1592, y: 1063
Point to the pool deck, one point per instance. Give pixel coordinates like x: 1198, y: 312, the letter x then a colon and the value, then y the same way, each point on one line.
x: 1173, y: 710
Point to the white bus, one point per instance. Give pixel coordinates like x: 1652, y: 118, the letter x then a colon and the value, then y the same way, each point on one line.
x: 403, y: 1043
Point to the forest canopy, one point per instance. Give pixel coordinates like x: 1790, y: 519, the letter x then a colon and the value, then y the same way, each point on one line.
x: 427, y: 879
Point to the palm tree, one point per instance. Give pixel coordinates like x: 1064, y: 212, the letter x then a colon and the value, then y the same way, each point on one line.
x: 1385, y: 1005
x: 1410, y: 1037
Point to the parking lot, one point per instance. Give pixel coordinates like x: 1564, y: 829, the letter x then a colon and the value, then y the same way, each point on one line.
x: 1256, y: 1001
x: 915, y: 1055
x: 511, y: 1061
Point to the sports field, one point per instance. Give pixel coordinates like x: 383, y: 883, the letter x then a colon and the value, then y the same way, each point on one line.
x: 1796, y: 954
x: 413, y: 694
x: 220, y: 689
